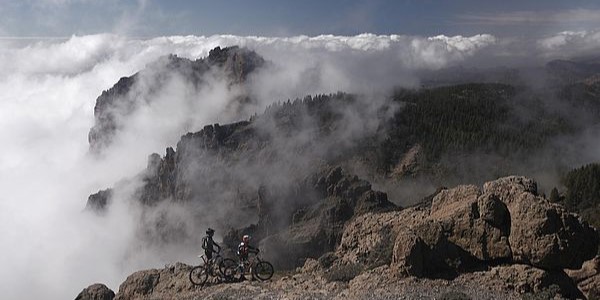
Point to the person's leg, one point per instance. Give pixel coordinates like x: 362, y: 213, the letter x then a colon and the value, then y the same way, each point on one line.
x: 243, y: 262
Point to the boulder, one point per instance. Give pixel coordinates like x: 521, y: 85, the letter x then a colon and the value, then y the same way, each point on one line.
x: 479, y: 224
x: 409, y: 254
x: 443, y: 259
x: 366, y: 236
x: 542, y: 234
x: 507, y: 188
x: 369, y: 239
x: 171, y: 280
x: 466, y: 229
x: 508, y: 221
x: 588, y: 278
x: 528, y: 279
x: 97, y: 291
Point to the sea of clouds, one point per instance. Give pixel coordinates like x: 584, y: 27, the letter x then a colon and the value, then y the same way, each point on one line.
x: 51, y: 249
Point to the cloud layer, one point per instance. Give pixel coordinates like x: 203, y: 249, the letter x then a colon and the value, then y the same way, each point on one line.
x: 47, y: 95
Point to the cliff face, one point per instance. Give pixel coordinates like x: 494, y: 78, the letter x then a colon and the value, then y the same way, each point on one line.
x: 115, y: 105
x: 272, y: 171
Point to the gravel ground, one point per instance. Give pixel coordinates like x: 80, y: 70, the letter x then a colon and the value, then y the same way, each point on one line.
x: 310, y: 287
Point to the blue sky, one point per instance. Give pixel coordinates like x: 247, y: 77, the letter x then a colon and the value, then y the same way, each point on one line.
x: 149, y: 18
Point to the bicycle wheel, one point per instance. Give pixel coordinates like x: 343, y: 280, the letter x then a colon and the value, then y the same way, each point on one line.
x: 227, y: 263
x: 263, y: 270
x: 198, y: 275
x: 239, y: 272
x: 230, y: 274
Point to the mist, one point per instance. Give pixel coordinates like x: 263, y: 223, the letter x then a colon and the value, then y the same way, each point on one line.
x: 53, y: 249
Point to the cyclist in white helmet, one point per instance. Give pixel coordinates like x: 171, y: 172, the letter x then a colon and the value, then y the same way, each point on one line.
x: 244, y: 249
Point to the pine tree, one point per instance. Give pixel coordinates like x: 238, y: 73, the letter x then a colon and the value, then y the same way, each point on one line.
x: 554, y: 195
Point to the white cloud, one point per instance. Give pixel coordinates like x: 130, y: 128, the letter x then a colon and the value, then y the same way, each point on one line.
x: 570, y: 43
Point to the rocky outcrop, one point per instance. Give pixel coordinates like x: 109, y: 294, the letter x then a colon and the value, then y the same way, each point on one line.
x: 115, y: 105
x: 528, y: 279
x: 410, y: 163
x: 508, y: 221
x: 96, y: 291
x: 317, y: 228
x: 159, y: 178
x: 467, y: 228
x: 542, y: 234
x: 478, y: 224
x: 588, y: 278
x: 408, y: 254
x: 368, y: 238
x: 98, y: 202
x: 237, y: 63
x: 170, y: 282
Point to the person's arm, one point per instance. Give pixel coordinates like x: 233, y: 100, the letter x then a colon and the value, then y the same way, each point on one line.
x: 218, y: 247
x: 204, y: 243
x: 253, y: 249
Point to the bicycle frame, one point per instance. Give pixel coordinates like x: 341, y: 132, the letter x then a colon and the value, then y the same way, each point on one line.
x: 250, y: 263
x: 214, y: 261
x: 213, y: 267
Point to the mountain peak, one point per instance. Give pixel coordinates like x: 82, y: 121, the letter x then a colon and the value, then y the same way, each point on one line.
x: 114, y: 106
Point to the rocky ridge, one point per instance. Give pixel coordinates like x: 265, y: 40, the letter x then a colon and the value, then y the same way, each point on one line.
x: 495, y: 242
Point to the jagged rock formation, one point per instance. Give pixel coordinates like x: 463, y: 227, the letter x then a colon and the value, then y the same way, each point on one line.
x: 96, y: 291
x: 114, y: 105
x: 97, y: 202
x: 317, y: 228
x: 259, y: 172
x: 467, y: 228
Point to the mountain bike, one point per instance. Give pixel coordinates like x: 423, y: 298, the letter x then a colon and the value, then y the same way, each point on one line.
x: 221, y: 269
x: 256, y: 267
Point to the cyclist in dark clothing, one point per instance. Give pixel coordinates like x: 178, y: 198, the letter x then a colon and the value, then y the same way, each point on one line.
x: 209, y: 245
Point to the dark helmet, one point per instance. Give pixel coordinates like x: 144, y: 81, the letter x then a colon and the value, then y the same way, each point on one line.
x: 210, y: 231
